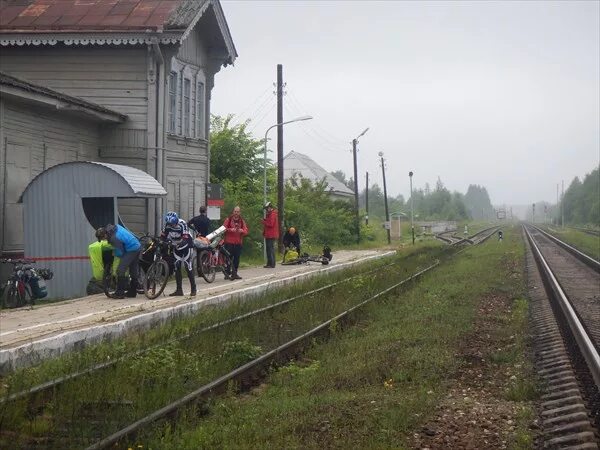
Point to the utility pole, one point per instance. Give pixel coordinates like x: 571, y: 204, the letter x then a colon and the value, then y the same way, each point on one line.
x: 280, y: 200
x: 387, y: 214
x: 367, y: 199
x: 557, y: 204
x: 412, y: 220
x: 533, y: 216
x: 562, y: 205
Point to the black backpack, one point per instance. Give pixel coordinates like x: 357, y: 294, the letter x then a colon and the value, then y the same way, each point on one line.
x: 327, y: 253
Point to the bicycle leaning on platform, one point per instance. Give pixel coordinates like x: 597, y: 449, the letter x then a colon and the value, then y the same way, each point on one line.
x: 157, y: 261
x: 25, y: 284
x: 211, y: 258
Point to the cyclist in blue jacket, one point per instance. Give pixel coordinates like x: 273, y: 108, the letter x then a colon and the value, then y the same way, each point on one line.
x: 127, y: 247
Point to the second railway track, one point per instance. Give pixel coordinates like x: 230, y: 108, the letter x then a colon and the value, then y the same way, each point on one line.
x: 566, y: 328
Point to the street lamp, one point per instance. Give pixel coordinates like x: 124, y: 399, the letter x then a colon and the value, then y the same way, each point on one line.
x: 297, y: 119
x: 412, y: 223
x: 356, y: 220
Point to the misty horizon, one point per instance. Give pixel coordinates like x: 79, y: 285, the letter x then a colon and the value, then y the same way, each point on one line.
x: 498, y: 94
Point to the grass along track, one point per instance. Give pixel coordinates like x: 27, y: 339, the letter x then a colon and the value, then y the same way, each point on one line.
x: 380, y: 381
x: 71, y: 417
x: 582, y: 241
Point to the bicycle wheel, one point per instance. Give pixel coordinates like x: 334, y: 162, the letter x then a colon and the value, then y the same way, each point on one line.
x: 156, y: 279
x: 206, y: 269
x: 11, y: 297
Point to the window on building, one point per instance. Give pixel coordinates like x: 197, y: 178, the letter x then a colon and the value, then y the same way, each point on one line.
x: 187, y: 94
x: 172, y: 101
x: 200, y: 109
x: 179, y: 103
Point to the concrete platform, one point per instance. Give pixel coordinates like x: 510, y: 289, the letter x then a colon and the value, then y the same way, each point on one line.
x: 28, y: 336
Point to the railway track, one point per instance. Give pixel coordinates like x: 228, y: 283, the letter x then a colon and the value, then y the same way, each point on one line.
x: 451, y: 238
x: 566, y: 327
x: 53, y: 384
x: 116, y: 405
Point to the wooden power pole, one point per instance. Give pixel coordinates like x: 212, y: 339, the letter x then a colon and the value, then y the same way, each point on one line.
x: 387, y: 214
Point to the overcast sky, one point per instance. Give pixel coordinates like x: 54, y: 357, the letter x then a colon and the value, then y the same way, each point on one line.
x: 502, y: 94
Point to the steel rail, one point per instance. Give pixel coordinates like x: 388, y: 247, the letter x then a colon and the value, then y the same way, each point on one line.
x: 588, y: 260
x: 485, y: 238
x: 104, y: 365
x: 586, y: 345
x: 222, y: 381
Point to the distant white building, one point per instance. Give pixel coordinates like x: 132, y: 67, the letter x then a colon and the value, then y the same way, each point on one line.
x: 298, y: 165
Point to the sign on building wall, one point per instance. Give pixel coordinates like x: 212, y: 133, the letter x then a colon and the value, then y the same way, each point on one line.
x: 215, y: 199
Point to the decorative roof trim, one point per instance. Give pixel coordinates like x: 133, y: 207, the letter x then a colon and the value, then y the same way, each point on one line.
x: 20, y: 39
x: 222, y: 22
x: 195, y: 20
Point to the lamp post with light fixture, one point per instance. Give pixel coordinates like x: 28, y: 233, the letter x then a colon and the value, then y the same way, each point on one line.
x: 356, y: 219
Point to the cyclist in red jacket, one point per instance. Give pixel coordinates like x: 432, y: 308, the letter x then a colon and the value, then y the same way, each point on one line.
x: 270, y: 232
x: 236, y: 229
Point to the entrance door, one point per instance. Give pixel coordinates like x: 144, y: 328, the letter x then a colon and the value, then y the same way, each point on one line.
x: 17, y: 174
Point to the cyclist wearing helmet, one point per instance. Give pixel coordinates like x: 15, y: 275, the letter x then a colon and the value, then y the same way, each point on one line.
x: 127, y: 247
x: 176, y: 230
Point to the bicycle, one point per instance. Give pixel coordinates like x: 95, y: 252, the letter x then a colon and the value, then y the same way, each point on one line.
x: 109, y: 281
x: 159, y: 270
x: 212, y: 258
x: 23, y: 286
x: 324, y: 258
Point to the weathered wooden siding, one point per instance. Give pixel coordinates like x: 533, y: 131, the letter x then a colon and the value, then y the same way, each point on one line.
x: 187, y: 157
x: 35, y: 138
x: 112, y: 77
x: 186, y: 176
x: 193, y: 50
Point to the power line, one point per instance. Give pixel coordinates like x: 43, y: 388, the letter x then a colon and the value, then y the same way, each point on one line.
x: 268, y: 101
x: 251, y: 105
x: 333, y: 139
x: 316, y: 136
x: 259, y: 121
x: 322, y: 145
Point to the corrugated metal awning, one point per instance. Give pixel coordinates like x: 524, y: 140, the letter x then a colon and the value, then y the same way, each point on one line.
x: 98, y: 179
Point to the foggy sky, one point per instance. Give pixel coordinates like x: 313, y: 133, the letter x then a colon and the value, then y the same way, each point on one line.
x: 505, y: 95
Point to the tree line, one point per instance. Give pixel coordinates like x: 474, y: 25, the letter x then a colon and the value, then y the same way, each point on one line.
x: 581, y: 202
x: 237, y: 163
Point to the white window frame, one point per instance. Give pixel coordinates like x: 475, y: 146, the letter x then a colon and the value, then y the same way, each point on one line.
x: 172, y: 115
x: 200, y: 105
x: 180, y: 104
x: 186, y: 108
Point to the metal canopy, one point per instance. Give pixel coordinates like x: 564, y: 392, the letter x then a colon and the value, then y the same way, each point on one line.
x: 97, y: 179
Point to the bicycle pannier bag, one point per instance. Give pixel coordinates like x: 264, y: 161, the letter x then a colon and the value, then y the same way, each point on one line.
x: 38, y: 287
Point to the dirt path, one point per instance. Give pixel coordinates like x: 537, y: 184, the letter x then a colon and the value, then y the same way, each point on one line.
x: 476, y: 414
